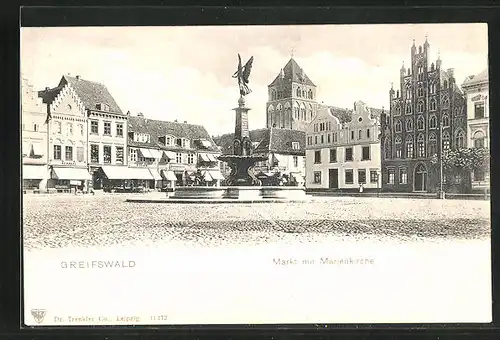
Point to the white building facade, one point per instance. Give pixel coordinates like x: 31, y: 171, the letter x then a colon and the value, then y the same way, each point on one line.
x: 346, y: 156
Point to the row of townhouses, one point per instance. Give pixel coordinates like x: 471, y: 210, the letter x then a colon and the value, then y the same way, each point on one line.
x: 76, y: 136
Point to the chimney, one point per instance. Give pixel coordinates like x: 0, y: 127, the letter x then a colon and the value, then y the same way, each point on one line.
x: 78, y: 77
x: 128, y: 113
x: 185, y: 122
x: 140, y: 114
x: 47, y: 88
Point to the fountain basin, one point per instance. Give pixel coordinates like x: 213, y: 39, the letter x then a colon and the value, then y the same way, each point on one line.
x: 251, y: 193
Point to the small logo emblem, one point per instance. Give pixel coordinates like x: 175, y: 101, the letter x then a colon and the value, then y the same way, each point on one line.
x: 38, y: 314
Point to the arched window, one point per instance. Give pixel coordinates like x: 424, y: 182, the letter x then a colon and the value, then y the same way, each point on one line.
x: 432, y: 88
x: 479, y: 139
x: 421, y: 145
x: 420, y: 106
x: 408, y: 107
x: 273, y: 94
x: 303, y: 111
x: 432, y: 146
x: 310, y: 94
x: 387, y: 148
x: 270, y: 108
x: 420, y: 90
x: 397, y: 110
x: 398, y: 143
x: 445, y: 84
x: 298, y: 92
x: 460, y: 139
x: 279, y: 107
x: 432, y: 122
x: 446, y: 120
x: 420, y: 123
x: 409, y: 147
x: 409, y: 125
x: 446, y: 102
x: 310, y: 112
x: 432, y: 104
x: 446, y: 140
x: 398, y: 126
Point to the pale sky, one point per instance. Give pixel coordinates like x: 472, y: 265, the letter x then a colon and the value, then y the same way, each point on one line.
x: 184, y: 73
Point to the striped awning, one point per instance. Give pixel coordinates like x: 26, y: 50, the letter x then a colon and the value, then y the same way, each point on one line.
x: 204, y: 157
x: 157, y: 154
x: 34, y: 172
x: 156, y: 175
x: 37, y: 149
x: 123, y: 172
x: 216, y: 174
x: 146, y: 153
x: 211, y: 157
x: 207, y: 176
x: 170, y: 154
x: 169, y: 175
x: 70, y: 174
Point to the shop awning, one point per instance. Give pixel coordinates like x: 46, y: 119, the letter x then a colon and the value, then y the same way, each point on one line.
x: 298, y: 177
x: 207, y: 176
x: 155, y: 174
x: 71, y: 174
x: 204, y: 157
x: 123, y: 172
x: 170, y: 154
x: 34, y: 172
x: 146, y: 153
x: 206, y: 143
x: 157, y: 154
x: 26, y: 148
x: 216, y: 174
x: 37, y: 149
x: 169, y: 175
x: 211, y: 157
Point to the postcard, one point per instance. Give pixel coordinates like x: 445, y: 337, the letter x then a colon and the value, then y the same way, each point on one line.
x: 309, y: 174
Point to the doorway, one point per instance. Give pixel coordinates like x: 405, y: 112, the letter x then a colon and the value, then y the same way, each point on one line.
x: 333, y: 178
x: 420, y: 182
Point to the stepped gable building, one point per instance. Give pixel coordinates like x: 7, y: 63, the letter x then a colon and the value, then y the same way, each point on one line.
x: 476, y: 89
x: 34, y: 139
x: 173, y: 152
x: 285, y: 149
x: 292, y: 99
x: 343, y: 149
x: 427, y: 109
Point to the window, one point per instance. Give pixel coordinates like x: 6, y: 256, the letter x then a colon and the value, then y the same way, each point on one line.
x: 409, y: 125
x: 352, y: 135
x: 58, y: 127
x: 119, y: 129
x: 398, y: 126
x: 35, y: 127
x: 178, y: 157
x: 387, y: 148
x: 390, y: 176
x: 315, y: 139
x: 69, y: 129
x: 68, y: 153
x: 373, y: 176
x: 333, y: 155
x: 57, y: 152
x: 445, y: 84
x: 446, y: 120
x: 335, y: 137
x: 94, y: 127
x: 107, y: 128
x: 420, y: 123
x: 446, y: 102
x: 360, y: 134
x: 432, y: 146
x: 446, y: 140
x: 367, y: 133
x: 309, y: 140
x: 362, y: 176
x: 398, y: 110
x: 107, y: 154
x: 295, y: 145
x: 420, y: 107
x: 432, y: 104
x: 133, y: 155
x: 420, y: 91
x: 408, y: 108
x: 421, y: 145
x: 398, y: 143
x: 348, y: 154
x: 460, y: 139
x: 366, y: 153
x: 328, y: 138
x: 403, y: 176
x: 409, y: 148
x: 479, y: 139
x: 178, y: 142
x: 317, y: 177
x: 479, y: 110
x: 119, y: 155
x: 432, y: 88
x: 82, y: 130
x: 317, y: 157
x: 432, y: 122
x: 295, y: 161
x: 80, y: 154
x: 94, y: 153
x: 102, y: 107
x: 322, y: 139
x: 349, y: 176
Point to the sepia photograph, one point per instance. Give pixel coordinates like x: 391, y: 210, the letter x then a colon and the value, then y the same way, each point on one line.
x: 285, y: 174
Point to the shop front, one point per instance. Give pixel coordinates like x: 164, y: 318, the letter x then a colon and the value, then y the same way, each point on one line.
x: 34, y: 177
x: 69, y: 179
x: 125, y: 179
x: 169, y: 178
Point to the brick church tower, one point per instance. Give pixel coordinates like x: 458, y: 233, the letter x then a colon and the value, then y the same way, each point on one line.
x: 292, y: 99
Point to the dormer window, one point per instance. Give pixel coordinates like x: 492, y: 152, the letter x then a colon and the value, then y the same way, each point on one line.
x: 295, y: 145
x: 102, y: 107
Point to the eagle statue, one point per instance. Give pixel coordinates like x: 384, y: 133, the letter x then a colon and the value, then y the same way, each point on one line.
x: 243, y: 73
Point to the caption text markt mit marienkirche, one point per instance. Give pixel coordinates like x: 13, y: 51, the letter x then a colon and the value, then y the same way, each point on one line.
x: 323, y: 260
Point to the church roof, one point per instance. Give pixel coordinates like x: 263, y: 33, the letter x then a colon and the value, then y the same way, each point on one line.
x: 293, y: 72
x: 91, y: 93
x: 158, y: 128
x: 476, y: 79
x: 345, y: 115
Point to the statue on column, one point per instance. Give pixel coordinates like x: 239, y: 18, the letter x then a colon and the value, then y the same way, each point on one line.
x: 243, y: 74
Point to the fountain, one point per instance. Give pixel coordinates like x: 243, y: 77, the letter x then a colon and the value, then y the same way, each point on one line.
x: 242, y: 184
